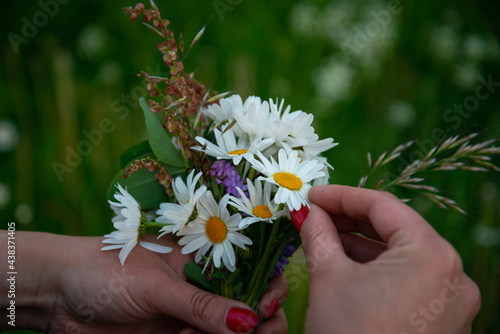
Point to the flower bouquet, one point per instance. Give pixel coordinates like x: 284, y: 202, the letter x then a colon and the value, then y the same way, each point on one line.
x: 228, y: 176
x: 223, y: 174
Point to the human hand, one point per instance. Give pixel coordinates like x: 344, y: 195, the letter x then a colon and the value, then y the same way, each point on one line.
x: 402, y: 277
x: 67, y: 285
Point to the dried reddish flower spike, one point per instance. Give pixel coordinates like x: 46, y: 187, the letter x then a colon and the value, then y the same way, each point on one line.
x: 182, y: 95
x: 153, y: 166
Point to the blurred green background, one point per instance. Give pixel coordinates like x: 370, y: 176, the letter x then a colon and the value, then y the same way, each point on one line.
x: 373, y: 78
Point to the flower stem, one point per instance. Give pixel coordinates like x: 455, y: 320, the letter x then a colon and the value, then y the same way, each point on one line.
x: 251, y: 173
x: 258, y: 276
x: 154, y: 224
x: 286, y: 240
x: 225, y: 289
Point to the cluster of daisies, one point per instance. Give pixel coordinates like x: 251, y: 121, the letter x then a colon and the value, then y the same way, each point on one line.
x: 266, y: 158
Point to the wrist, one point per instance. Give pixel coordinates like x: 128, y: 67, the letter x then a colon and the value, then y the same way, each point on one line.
x: 32, y: 285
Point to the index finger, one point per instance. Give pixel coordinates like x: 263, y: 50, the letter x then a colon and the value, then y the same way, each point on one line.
x: 392, y: 219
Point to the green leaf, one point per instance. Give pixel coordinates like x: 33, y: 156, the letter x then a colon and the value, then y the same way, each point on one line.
x: 160, y: 142
x: 142, y: 185
x: 134, y: 152
x: 194, y: 273
x: 217, y: 275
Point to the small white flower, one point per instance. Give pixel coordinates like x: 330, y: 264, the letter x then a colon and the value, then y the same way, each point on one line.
x: 215, y: 229
x: 293, y: 130
x: 185, y: 192
x: 298, y: 122
x: 254, y: 121
x: 290, y: 175
x: 130, y: 223
x: 175, y: 216
x: 257, y: 206
x: 306, y: 155
x: 317, y: 147
x: 229, y: 148
x: 252, y: 100
x: 224, y: 110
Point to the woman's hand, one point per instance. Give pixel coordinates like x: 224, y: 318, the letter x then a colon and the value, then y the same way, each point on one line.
x: 67, y: 285
x: 401, y: 277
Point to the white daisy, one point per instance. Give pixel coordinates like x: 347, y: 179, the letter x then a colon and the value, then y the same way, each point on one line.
x: 290, y: 175
x: 224, y: 110
x: 130, y: 222
x: 175, y: 216
x: 252, y: 100
x: 258, y: 206
x: 294, y: 128
x: 229, y: 148
x: 320, y: 180
x: 319, y: 146
x: 254, y: 121
x: 185, y: 192
x: 215, y: 229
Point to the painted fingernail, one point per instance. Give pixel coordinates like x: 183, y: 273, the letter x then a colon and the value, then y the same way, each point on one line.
x: 298, y: 216
x: 273, y: 307
x: 241, y: 320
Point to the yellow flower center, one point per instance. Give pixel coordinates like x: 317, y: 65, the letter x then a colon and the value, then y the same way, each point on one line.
x: 216, y: 230
x: 237, y: 152
x: 262, y: 211
x: 288, y: 180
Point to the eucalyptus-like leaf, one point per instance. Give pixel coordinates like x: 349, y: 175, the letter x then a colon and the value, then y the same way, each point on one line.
x: 194, y: 272
x: 160, y: 142
x: 134, y: 152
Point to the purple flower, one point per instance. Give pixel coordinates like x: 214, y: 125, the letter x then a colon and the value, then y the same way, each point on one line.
x: 226, y: 174
x: 279, y: 267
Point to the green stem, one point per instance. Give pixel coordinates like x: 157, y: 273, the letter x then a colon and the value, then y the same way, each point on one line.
x: 251, y: 173
x: 263, y: 229
x: 240, y: 168
x: 262, y: 264
x: 154, y: 224
x: 286, y: 240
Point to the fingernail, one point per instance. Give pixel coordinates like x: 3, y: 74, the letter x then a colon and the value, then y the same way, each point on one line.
x: 241, y: 320
x: 273, y: 307
x: 298, y: 216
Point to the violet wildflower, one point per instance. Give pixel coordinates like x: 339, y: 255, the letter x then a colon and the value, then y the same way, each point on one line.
x: 279, y: 267
x: 227, y: 175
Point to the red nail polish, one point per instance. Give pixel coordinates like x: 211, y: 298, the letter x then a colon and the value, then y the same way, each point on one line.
x: 273, y: 307
x: 241, y: 320
x: 299, y: 216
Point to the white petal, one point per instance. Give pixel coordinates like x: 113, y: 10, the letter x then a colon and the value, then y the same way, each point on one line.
x: 155, y: 247
x: 229, y: 252
x: 126, y: 250
x: 110, y: 247
x: 217, y: 254
x: 194, y: 244
x: 202, y: 251
x: 238, y: 239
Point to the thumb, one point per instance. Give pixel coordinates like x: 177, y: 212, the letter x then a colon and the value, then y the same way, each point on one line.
x: 321, y: 242
x: 205, y: 310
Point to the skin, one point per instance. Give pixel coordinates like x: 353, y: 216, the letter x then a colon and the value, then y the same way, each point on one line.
x: 395, y: 279
x: 67, y: 285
